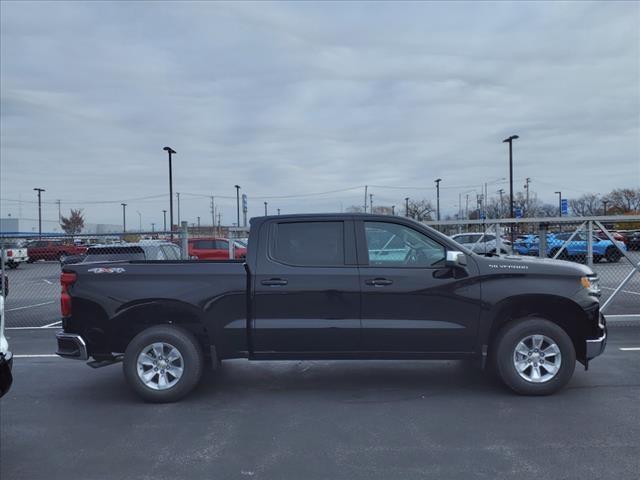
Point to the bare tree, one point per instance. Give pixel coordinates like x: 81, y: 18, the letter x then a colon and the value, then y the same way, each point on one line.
x: 624, y: 200
x: 420, y: 210
x: 587, y: 204
x: 74, y: 223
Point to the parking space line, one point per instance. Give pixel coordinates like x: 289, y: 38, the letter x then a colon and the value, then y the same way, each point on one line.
x: 29, y: 306
x: 41, y: 355
x: 630, y: 349
x: 50, y: 283
x: 51, y: 324
x: 632, y: 315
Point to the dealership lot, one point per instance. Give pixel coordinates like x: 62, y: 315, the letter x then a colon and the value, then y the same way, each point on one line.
x: 35, y: 289
x: 338, y: 420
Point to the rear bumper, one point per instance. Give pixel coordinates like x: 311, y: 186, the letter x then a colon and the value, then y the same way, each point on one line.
x: 6, y: 377
x: 596, y: 346
x: 71, y: 345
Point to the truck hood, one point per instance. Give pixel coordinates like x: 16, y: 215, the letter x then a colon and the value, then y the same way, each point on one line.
x: 533, y: 265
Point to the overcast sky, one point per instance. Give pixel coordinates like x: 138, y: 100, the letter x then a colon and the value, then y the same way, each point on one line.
x: 300, y: 98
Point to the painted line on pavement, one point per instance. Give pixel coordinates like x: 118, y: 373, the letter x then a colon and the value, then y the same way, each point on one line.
x: 50, y: 283
x: 630, y: 349
x: 51, y: 325
x: 29, y: 306
x: 47, y: 355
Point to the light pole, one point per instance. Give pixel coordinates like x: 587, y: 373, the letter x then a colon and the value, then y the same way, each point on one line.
x: 510, y: 140
x: 438, y: 180
x: 393, y: 209
x: 139, y: 220
x: 164, y: 214
x: 153, y: 227
x: 238, y: 205
x: 371, y: 203
x: 278, y: 211
x: 406, y: 206
x: 39, y: 190
x: 198, y: 223
x: 559, y: 203
x: 265, y: 209
x: 170, y: 151
x: 501, y: 191
x: 124, y: 217
x: 604, y: 205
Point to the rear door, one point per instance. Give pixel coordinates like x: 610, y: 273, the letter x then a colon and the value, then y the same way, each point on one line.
x: 306, y: 289
x: 411, y: 302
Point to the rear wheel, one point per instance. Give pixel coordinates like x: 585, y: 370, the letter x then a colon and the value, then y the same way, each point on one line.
x: 613, y: 255
x: 534, y: 356
x: 163, y: 363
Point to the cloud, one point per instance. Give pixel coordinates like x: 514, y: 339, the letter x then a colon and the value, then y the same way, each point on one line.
x: 291, y: 98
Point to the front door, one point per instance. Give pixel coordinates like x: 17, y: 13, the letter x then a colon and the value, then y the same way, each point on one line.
x: 306, y: 290
x: 411, y: 302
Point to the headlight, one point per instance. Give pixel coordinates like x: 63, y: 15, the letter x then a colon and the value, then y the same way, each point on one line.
x: 592, y: 284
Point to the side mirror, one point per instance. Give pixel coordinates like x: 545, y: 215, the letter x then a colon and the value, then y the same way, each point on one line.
x: 455, y: 259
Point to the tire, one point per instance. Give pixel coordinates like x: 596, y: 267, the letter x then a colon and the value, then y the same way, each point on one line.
x: 12, y: 265
x: 190, y: 361
x: 563, y: 254
x: 512, y: 336
x: 597, y: 258
x: 613, y: 255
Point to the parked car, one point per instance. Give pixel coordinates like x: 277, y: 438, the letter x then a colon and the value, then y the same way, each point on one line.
x: 322, y: 287
x: 214, y: 249
x: 633, y: 241
x: 52, y: 249
x: 576, y: 249
x: 6, y: 357
x: 143, y: 250
x: 526, y: 244
x: 14, y: 255
x: 617, y: 236
x: 483, y: 243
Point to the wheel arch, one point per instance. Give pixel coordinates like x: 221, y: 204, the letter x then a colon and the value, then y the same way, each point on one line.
x: 562, y: 311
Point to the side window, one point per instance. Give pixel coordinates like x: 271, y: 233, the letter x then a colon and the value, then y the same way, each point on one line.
x: 312, y: 244
x: 222, y: 245
x: 169, y: 252
x: 393, y: 245
x: 462, y: 239
x: 488, y: 238
x: 204, y: 244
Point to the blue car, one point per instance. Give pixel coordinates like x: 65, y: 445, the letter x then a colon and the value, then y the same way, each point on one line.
x: 576, y: 249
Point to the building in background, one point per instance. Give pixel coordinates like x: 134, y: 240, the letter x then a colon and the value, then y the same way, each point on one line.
x: 29, y: 226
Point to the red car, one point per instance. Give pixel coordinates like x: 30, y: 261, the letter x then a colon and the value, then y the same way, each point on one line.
x: 214, y: 249
x: 616, y: 236
x: 52, y: 250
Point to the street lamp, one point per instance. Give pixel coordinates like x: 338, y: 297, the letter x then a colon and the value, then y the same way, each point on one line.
x: 124, y: 217
x: 406, y: 206
x: 393, y: 209
x: 438, y: 180
x: 278, y: 211
x: 171, y: 152
x: 39, y: 190
x: 604, y: 205
x: 559, y: 203
x: 265, y: 209
x: 164, y: 214
x: 238, y: 204
x: 510, y: 140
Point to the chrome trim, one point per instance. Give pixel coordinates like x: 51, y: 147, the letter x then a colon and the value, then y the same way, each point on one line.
x: 596, y: 346
x: 79, y: 342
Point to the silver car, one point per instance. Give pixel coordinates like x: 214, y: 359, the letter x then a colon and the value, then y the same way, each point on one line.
x: 483, y: 243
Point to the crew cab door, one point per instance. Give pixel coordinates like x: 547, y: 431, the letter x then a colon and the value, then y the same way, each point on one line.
x: 306, y: 288
x: 412, y: 302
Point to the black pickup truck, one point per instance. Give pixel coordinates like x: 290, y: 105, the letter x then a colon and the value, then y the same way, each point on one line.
x: 342, y: 286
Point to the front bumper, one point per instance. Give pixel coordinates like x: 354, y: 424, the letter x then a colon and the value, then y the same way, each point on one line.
x: 6, y: 377
x: 596, y: 346
x: 71, y: 345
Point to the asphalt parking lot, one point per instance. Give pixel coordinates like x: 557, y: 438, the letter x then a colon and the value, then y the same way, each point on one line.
x: 35, y: 292
x: 320, y: 420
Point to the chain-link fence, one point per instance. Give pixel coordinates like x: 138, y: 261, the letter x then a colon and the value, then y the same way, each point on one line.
x: 609, y: 245
x: 31, y: 265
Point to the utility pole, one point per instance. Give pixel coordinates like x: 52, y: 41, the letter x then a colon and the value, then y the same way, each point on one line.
x: 559, y: 203
x: 510, y: 140
x: 164, y: 214
x: 198, y: 222
x: 526, y: 187
x: 466, y: 208
x: 178, y: 197
x: 366, y: 187
x: 265, y: 209
x: 139, y: 220
x: 170, y: 151
x: 59, y: 212
x: 39, y: 190
x: 438, y: 198
x: 501, y: 191
x: 153, y: 227
x: 219, y: 222
x: 459, y: 206
x: 406, y: 206
x: 213, y: 213
x: 371, y: 203
x: 124, y: 217
x: 238, y: 205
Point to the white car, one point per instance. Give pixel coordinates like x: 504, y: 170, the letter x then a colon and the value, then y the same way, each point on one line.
x: 483, y: 243
x: 6, y: 358
x: 14, y: 255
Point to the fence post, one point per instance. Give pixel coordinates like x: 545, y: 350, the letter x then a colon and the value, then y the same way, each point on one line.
x: 2, y: 266
x: 590, y: 243
x: 542, y: 236
x: 498, y: 240
x: 184, y: 240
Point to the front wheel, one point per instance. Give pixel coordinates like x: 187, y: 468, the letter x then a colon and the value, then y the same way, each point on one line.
x: 613, y: 255
x: 163, y: 363
x: 534, y: 356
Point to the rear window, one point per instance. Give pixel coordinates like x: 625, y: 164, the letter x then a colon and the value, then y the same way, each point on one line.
x: 105, y: 254
x: 312, y: 244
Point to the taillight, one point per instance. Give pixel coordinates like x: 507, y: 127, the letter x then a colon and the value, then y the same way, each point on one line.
x: 66, y: 280
x: 9, y: 253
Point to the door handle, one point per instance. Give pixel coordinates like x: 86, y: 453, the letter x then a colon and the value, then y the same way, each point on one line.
x: 378, y: 282
x: 274, y: 282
